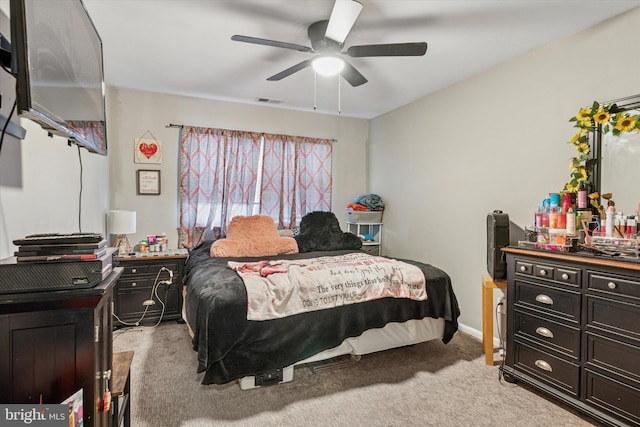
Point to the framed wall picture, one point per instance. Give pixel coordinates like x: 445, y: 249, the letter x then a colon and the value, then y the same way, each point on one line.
x: 148, y: 182
x: 148, y: 151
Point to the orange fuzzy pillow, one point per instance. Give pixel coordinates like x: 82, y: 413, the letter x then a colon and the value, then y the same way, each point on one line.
x: 253, y: 236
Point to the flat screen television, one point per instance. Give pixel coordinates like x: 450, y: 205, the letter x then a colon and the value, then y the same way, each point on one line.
x: 58, y: 63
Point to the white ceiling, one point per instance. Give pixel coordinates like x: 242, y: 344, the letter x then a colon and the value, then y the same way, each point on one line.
x: 184, y: 47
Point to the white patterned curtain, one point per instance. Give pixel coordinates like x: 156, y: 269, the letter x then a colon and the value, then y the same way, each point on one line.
x: 296, y: 178
x: 218, y: 173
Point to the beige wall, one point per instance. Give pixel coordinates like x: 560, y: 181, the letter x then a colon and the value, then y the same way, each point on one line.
x: 495, y: 141
x: 133, y: 113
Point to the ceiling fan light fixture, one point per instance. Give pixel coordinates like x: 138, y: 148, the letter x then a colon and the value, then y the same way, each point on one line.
x: 327, y: 65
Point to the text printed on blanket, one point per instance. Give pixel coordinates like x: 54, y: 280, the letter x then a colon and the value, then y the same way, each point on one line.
x: 282, y: 288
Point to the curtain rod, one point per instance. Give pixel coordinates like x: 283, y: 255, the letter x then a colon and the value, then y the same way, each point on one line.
x: 171, y: 125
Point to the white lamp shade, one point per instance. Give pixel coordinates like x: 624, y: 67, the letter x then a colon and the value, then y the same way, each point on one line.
x: 122, y: 222
x: 328, y: 65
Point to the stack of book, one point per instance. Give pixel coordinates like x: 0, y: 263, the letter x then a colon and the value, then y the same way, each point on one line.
x: 56, y: 247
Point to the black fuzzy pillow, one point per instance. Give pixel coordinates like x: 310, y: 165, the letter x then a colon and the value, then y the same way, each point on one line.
x: 320, y: 231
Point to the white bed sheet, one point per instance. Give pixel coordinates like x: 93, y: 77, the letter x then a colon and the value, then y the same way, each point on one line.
x: 390, y: 336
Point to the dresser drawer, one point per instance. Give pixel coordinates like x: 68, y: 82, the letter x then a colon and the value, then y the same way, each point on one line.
x: 614, y: 285
x: 550, y: 369
x: 544, y: 271
x: 613, y: 396
x: 555, y: 335
x: 134, y: 270
x: 616, y: 356
x: 613, y: 316
x: 130, y: 303
x: 567, y: 276
x: 524, y: 268
x: 371, y: 249
x: 135, y: 283
x: 558, y: 302
x: 563, y: 275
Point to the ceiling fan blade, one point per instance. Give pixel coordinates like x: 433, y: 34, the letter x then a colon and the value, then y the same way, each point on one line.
x: 273, y: 43
x: 282, y: 74
x: 393, y: 49
x: 352, y: 76
x: 343, y: 16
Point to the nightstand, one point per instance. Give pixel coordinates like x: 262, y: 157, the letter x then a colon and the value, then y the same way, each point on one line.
x: 141, y: 290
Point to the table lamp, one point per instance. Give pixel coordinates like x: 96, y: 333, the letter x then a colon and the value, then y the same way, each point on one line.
x: 122, y: 223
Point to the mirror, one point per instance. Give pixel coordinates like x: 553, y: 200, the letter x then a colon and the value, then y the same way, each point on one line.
x: 618, y: 157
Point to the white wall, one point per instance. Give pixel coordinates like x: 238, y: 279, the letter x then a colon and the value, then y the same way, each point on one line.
x: 133, y: 113
x: 495, y: 141
x: 40, y: 179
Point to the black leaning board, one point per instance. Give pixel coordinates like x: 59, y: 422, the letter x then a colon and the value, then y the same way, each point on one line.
x: 497, y: 238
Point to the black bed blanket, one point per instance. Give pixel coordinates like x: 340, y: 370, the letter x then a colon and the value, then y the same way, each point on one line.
x: 231, y: 347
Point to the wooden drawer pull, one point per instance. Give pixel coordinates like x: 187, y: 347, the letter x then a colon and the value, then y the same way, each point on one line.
x: 543, y: 272
x: 544, y: 365
x: 544, y: 332
x: 545, y: 299
x: 611, y: 285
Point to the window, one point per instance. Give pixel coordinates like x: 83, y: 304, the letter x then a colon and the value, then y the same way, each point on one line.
x: 225, y: 173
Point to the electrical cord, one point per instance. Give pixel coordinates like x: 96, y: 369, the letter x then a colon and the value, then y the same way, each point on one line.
x: 502, y: 346
x: 154, y: 292
x: 13, y: 109
x: 166, y: 291
x: 6, y: 124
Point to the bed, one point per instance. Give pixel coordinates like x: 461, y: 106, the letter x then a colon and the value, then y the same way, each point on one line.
x: 231, y: 347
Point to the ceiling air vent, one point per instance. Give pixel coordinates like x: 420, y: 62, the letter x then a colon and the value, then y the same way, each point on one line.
x: 268, y: 100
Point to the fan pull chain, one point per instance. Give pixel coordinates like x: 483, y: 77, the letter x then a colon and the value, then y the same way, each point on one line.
x: 339, y: 96
x: 315, y: 90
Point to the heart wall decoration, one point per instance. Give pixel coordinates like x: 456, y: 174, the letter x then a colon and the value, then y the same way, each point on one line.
x: 148, y: 150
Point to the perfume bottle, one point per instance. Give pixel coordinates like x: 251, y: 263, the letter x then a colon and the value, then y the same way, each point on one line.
x: 571, y: 222
x: 610, y: 221
x: 582, y: 197
x: 553, y: 217
x: 562, y: 219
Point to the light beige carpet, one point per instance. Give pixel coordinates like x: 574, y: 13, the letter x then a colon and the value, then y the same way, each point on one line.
x: 429, y: 384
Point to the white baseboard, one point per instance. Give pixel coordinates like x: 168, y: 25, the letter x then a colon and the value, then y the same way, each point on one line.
x: 476, y: 334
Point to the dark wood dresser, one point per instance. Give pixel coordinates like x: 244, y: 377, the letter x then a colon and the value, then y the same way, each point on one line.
x: 55, y: 343
x: 144, y: 279
x: 573, y: 331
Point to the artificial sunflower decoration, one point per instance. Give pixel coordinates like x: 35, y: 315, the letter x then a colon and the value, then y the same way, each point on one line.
x: 607, y: 117
x: 594, y: 200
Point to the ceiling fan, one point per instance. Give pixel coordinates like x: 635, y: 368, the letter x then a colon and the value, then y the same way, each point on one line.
x: 327, y: 38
